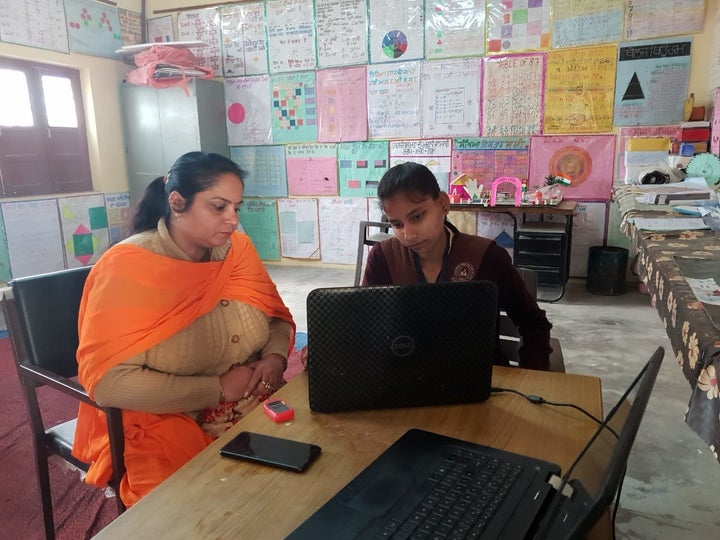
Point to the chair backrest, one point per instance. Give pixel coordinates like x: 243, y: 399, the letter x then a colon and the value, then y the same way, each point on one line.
x: 48, y: 305
x: 366, y: 239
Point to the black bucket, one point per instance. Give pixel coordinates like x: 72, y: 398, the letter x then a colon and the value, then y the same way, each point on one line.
x: 607, y: 267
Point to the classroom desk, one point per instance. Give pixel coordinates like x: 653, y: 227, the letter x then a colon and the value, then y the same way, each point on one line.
x: 539, y: 245
x: 664, y: 260
x: 216, y: 497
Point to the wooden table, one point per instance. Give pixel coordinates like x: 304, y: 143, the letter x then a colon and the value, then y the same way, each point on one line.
x: 216, y: 497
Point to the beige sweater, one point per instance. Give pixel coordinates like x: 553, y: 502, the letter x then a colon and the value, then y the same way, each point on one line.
x: 181, y: 374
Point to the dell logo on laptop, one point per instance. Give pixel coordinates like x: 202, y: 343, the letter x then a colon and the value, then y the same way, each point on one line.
x: 402, y: 346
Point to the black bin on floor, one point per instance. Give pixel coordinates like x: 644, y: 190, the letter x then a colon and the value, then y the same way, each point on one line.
x: 607, y: 267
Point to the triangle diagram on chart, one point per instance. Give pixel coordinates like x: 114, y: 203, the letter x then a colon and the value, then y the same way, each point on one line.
x: 634, y: 89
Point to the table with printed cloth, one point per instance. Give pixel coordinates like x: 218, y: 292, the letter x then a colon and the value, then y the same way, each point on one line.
x: 681, y: 269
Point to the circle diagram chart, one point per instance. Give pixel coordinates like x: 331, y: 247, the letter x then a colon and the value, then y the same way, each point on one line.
x: 394, y: 44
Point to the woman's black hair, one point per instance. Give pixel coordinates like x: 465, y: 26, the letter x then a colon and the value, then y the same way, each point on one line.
x: 409, y: 178
x: 190, y: 174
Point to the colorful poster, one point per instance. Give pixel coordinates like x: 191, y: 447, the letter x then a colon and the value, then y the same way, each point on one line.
x: 579, y: 90
x: 341, y: 32
x: 339, y: 221
x: 361, y: 165
x: 342, y: 104
x: 587, y: 160
x: 202, y: 25
x: 454, y: 28
x: 435, y: 154
x: 499, y: 227
x: 396, y: 30
x: 451, y: 98
x: 311, y: 169
x: 512, y: 95
x: 393, y: 94
x: 486, y: 159
x: 84, y: 226
x: 160, y: 30
x: 117, y: 207
x: 35, y: 23
x: 93, y: 28
x: 291, y: 35
x: 299, y: 229
x: 655, y: 18
x: 652, y: 82
x: 247, y: 106
x: 586, y: 22
x: 265, y: 166
x: 293, y: 108
x: 244, y: 40
x: 130, y: 27
x: 671, y: 131
x: 518, y: 26
x: 259, y: 220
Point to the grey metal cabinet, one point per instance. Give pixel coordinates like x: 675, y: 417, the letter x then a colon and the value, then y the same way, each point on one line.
x: 162, y: 124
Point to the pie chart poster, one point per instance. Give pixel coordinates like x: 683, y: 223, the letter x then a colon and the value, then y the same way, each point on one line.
x: 587, y: 160
x: 652, y: 81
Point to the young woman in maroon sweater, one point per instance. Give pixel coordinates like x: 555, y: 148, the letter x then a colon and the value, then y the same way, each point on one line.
x: 427, y: 248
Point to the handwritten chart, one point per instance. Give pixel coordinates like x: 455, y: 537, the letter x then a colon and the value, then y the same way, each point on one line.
x: 654, y: 18
x: 451, y: 97
x: 579, y: 90
x: 361, y: 165
x: 338, y: 242
x: 93, y: 28
x: 341, y: 32
x: 117, y: 206
x: 247, y: 106
x: 299, y: 231
x: 160, y: 30
x: 259, y: 220
x: 454, y: 28
x: 291, y: 35
x: 342, y: 104
x: 131, y: 27
x: 35, y: 23
x: 396, y: 30
x: 393, y: 94
x: 243, y: 38
x: 311, y: 169
x: 265, y: 166
x: 435, y: 154
x: 202, y: 25
x: 586, y: 22
x: 293, y: 107
x: 486, y: 159
x: 518, y: 26
x: 652, y: 81
x: 513, y: 89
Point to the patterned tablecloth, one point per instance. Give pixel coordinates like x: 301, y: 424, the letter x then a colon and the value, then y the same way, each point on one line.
x: 673, y: 265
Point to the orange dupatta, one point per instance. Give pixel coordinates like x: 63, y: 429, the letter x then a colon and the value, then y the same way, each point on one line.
x: 134, y: 299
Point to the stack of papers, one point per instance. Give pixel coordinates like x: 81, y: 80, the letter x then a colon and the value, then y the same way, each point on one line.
x: 670, y: 224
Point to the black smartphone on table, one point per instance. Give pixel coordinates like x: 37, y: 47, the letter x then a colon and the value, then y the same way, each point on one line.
x: 273, y: 451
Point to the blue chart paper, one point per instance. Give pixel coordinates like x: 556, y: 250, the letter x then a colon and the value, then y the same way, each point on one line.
x: 93, y: 28
x: 265, y: 165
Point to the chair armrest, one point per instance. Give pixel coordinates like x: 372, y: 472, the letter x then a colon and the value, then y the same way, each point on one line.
x: 67, y: 386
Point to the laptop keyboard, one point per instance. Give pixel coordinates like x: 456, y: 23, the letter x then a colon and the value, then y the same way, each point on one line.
x: 465, y: 491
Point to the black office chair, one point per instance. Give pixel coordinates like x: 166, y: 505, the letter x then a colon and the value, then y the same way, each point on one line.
x: 41, y: 314
x: 366, y: 239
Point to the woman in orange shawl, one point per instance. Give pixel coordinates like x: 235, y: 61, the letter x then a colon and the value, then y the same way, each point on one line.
x: 180, y: 326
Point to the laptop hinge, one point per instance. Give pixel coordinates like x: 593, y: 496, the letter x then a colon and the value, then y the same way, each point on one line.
x: 555, y: 481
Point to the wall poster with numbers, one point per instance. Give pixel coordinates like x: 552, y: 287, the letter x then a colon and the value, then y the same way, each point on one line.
x: 35, y: 23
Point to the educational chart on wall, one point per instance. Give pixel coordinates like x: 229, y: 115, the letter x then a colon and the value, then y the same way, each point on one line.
x: 5, y: 274
x: 202, y: 25
x: 291, y: 35
x: 259, y: 220
x: 435, y: 154
x: 499, y: 227
x: 265, y: 166
x: 35, y: 23
x: 33, y: 236
x: 513, y: 89
x: 518, y: 26
x: 673, y: 132
x: 396, y: 30
x: 341, y: 32
x: 117, y: 206
x: 247, y: 106
x: 338, y: 241
x: 393, y: 94
x: 361, y: 165
x: 84, y: 225
x: 587, y: 160
x: 160, y: 30
x: 131, y: 27
x: 93, y: 28
x: 311, y: 169
x: 299, y: 235
x: 579, y: 90
x: 454, y: 28
x: 654, y: 18
x: 451, y: 98
x: 293, y: 108
x: 586, y: 22
x: 342, y: 104
x: 485, y: 159
x: 244, y: 41
x: 652, y: 81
